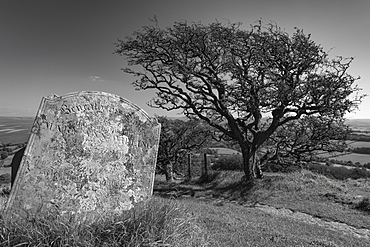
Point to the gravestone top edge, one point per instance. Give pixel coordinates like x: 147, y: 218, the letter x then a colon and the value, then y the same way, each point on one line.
x: 53, y: 97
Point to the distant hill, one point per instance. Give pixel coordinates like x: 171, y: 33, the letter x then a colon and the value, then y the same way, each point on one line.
x: 15, y: 129
x: 359, y: 124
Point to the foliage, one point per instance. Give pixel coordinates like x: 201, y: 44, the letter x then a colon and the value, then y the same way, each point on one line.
x: 281, y: 167
x: 364, y: 205
x: 229, y: 77
x: 228, y: 162
x: 361, y: 150
x: 358, y: 137
x: 3, y: 155
x: 209, y: 177
x: 301, y: 138
x: 178, y: 138
x: 154, y: 223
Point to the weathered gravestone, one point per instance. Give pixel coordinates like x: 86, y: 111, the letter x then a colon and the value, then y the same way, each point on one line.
x: 88, y: 152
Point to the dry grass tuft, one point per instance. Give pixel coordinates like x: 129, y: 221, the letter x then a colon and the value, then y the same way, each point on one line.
x: 157, y: 222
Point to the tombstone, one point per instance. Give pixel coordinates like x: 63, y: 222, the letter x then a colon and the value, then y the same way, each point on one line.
x: 88, y: 152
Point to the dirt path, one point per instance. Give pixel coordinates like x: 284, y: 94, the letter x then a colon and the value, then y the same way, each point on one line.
x: 310, y: 219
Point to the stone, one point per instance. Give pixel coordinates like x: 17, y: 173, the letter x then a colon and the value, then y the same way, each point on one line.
x: 88, y: 153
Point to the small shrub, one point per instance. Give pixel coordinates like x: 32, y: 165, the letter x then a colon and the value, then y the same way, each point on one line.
x: 292, y: 169
x: 210, y: 177
x: 367, y: 165
x: 329, y: 163
x: 5, y: 191
x: 273, y: 167
x: 5, y: 178
x: 317, y: 168
x: 4, y: 155
x: 229, y: 162
x: 364, y: 205
x: 361, y: 150
x: 340, y: 173
x: 359, y: 173
x: 349, y: 163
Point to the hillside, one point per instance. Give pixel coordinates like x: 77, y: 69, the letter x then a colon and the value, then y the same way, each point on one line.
x: 296, y: 209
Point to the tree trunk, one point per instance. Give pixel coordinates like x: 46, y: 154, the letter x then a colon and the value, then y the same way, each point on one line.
x: 251, y: 166
x: 257, y: 172
x: 247, y: 166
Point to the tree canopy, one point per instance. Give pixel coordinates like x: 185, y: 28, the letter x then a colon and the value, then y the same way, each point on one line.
x: 231, y: 78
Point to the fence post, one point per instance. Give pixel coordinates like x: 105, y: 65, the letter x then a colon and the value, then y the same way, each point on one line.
x: 205, y: 170
x: 189, y: 166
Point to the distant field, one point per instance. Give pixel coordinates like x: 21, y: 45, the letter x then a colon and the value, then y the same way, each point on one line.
x: 358, y: 144
x: 15, y: 129
x: 359, y: 124
x: 362, y: 158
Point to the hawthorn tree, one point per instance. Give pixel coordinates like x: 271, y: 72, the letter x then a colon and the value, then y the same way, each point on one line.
x: 231, y: 78
x: 177, y: 138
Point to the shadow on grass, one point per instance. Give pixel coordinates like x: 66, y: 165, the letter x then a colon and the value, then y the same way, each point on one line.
x: 227, y: 184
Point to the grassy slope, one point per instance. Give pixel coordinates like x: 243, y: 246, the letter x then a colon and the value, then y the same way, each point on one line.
x: 242, y: 224
x: 225, y: 212
x: 157, y: 222
x: 234, y: 225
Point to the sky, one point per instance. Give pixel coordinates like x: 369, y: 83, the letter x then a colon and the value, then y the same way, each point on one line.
x: 57, y: 47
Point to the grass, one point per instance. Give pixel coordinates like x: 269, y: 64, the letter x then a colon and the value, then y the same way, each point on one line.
x: 158, y: 222
x: 222, y: 211
x: 234, y: 225
x: 294, y: 209
x: 307, y: 192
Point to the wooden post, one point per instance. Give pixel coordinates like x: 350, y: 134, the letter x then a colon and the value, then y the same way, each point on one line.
x: 189, y: 166
x: 205, y: 170
x: 169, y: 172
